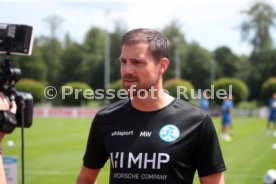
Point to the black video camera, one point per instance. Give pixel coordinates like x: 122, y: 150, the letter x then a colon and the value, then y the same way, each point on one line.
x: 17, y: 40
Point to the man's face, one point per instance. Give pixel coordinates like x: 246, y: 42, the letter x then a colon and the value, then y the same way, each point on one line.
x: 138, y: 67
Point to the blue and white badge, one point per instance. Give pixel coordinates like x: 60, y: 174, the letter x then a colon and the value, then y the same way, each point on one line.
x: 169, y: 133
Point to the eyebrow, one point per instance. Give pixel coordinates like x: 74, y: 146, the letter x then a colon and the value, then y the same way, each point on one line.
x: 131, y: 59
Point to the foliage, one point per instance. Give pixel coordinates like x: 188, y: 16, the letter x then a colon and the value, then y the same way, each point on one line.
x: 178, y: 47
x: 115, y: 49
x: 228, y: 64
x: 36, y: 88
x: 239, y: 89
x: 116, y: 86
x: 179, y: 88
x: 197, y: 68
x: 75, y: 93
x: 268, y: 88
x: 73, y: 66
x: 256, y: 28
x: 259, y: 20
x: 56, y: 62
x: 263, y: 66
x: 51, y: 51
x: 32, y: 67
x: 93, y: 46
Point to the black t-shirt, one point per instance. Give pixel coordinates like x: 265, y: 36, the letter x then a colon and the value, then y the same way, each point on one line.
x: 163, y: 146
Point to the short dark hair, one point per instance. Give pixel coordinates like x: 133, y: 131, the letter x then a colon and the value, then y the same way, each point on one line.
x: 158, y: 43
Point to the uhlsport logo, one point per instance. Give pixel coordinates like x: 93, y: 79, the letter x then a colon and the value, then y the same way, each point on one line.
x: 169, y: 133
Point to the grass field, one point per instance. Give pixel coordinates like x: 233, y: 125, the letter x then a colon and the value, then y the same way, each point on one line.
x: 54, y: 148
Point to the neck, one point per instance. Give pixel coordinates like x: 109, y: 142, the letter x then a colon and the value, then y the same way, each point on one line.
x: 152, y: 102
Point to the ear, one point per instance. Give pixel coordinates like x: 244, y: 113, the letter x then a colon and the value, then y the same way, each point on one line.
x: 164, y: 63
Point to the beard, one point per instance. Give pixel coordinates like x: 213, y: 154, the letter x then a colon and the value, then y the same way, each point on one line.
x: 137, y: 86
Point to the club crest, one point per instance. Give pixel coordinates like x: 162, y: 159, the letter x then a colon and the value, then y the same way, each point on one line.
x: 169, y: 133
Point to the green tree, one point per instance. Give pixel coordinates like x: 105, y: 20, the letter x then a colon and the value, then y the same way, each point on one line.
x: 260, y: 17
x: 116, y: 86
x: 229, y: 64
x: 244, y: 68
x: 82, y: 93
x: 179, y: 88
x: 263, y: 66
x: 268, y: 88
x: 67, y: 41
x: 178, y: 48
x: 239, y: 88
x: 32, y: 67
x: 73, y: 66
x: 94, y: 57
x: 36, y: 88
x: 197, y: 68
x: 115, y: 50
x: 52, y: 49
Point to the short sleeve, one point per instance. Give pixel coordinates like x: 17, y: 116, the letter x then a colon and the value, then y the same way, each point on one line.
x: 209, y: 157
x: 95, y: 154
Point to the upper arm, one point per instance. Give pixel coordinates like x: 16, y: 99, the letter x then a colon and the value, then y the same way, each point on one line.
x: 87, y: 176
x: 216, y: 178
x: 208, y: 155
x: 95, y: 154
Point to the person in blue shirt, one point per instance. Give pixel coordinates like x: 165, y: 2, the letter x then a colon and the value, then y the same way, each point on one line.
x: 204, y: 102
x: 272, y: 115
x: 227, y: 112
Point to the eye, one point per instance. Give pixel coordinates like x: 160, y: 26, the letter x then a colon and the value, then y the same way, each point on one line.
x: 136, y: 62
x: 123, y: 61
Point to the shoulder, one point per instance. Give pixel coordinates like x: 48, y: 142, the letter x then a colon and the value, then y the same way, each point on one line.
x: 194, y: 118
x: 113, y: 108
x: 186, y: 105
x: 190, y: 110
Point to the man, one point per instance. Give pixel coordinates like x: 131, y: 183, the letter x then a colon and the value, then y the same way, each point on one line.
x: 4, y: 105
x: 272, y: 115
x: 204, y: 101
x: 227, y: 112
x: 153, y: 137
